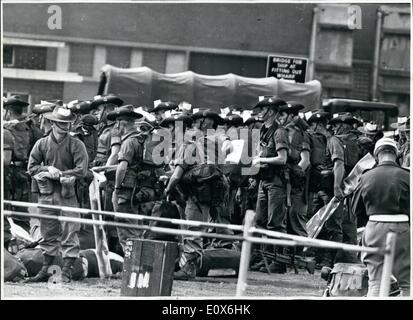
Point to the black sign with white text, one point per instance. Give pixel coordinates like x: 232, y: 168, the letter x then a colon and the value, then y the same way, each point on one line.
x: 288, y: 68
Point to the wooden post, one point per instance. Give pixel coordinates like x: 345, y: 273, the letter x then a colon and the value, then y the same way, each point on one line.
x: 388, y: 264
x: 245, y: 254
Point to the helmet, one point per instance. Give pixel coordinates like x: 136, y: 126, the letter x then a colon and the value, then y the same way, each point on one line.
x: 385, y: 142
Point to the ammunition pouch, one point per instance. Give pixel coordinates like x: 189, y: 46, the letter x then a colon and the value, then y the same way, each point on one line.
x: 68, y: 187
x: 321, y: 180
x: 201, y: 173
x: 212, y: 192
x: 267, y: 172
x: 130, y: 180
x: 297, y: 176
x: 44, y: 186
x: 203, y: 193
x: 327, y: 180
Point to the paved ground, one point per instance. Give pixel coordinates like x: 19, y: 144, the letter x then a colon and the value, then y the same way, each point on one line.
x: 259, y: 284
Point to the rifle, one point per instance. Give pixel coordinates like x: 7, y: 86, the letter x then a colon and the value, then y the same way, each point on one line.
x: 293, y: 260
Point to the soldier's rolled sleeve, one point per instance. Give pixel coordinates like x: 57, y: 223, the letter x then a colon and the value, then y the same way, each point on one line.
x: 115, y: 138
x: 306, y: 142
x: 186, y: 156
x: 80, y: 159
x: 8, y: 140
x: 335, y: 149
x: 281, y: 139
x: 127, y: 151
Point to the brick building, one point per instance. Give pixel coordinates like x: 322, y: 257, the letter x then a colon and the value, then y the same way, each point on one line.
x: 40, y: 62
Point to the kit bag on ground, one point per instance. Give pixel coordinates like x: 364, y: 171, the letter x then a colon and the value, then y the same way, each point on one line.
x: 14, y: 269
x: 347, y: 280
x: 219, y: 258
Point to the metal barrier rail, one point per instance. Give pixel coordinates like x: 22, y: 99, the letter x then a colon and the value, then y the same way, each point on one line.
x: 247, y: 238
x: 170, y: 231
x: 122, y: 215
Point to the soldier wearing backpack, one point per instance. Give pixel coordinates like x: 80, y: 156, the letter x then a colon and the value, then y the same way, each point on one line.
x: 108, y: 135
x: 130, y: 158
x: 298, y: 162
x: 321, y: 174
x: 321, y: 170
x: 344, y: 152
x: 25, y: 134
x: 8, y: 142
x: 108, y: 146
x: 271, y: 160
x: 198, y: 175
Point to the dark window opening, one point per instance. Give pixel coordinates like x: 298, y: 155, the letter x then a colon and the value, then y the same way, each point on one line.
x: 8, y: 56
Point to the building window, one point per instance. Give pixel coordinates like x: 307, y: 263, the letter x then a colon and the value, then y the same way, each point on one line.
x: 118, y: 56
x: 154, y: 59
x: 216, y: 64
x: 33, y: 58
x: 8, y: 56
x: 81, y: 58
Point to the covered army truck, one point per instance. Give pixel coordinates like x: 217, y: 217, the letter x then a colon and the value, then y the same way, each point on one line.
x: 142, y: 86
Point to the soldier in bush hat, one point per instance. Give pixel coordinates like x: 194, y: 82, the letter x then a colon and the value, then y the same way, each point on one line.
x: 197, y: 172
x: 80, y: 107
x: 321, y: 171
x: 253, y: 120
x: 130, y: 159
x: 25, y: 134
x: 383, y: 195
x: 298, y: 162
x: 55, y: 163
x: 320, y: 164
x: 160, y: 109
x: 344, y: 152
x: 177, y: 124
x: 370, y: 134
x: 108, y: 145
x: 109, y: 138
x: 271, y: 161
x: 86, y: 132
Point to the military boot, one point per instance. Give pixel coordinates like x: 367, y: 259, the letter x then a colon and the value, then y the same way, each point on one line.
x: 43, y: 275
x: 257, y: 266
x: 67, y: 269
x: 187, y: 272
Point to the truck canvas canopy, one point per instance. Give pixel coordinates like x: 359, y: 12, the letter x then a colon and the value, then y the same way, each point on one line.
x: 379, y: 112
x: 141, y: 86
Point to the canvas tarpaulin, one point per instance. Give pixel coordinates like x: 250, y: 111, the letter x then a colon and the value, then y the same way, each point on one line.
x: 141, y: 86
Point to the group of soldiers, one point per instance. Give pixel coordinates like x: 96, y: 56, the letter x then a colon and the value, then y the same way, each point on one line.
x: 299, y: 163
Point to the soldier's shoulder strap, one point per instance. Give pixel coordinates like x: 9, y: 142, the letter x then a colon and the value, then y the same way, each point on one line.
x: 135, y: 135
x: 267, y: 135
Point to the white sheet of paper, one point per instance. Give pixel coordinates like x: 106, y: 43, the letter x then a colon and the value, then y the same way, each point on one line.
x: 235, y: 155
x: 156, y: 103
x: 246, y: 114
x: 186, y: 106
x: 308, y: 115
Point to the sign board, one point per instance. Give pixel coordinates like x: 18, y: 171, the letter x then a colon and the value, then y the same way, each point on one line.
x: 287, y: 68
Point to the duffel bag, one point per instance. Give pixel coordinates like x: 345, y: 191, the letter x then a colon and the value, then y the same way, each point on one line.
x: 348, y: 280
x: 14, y: 270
